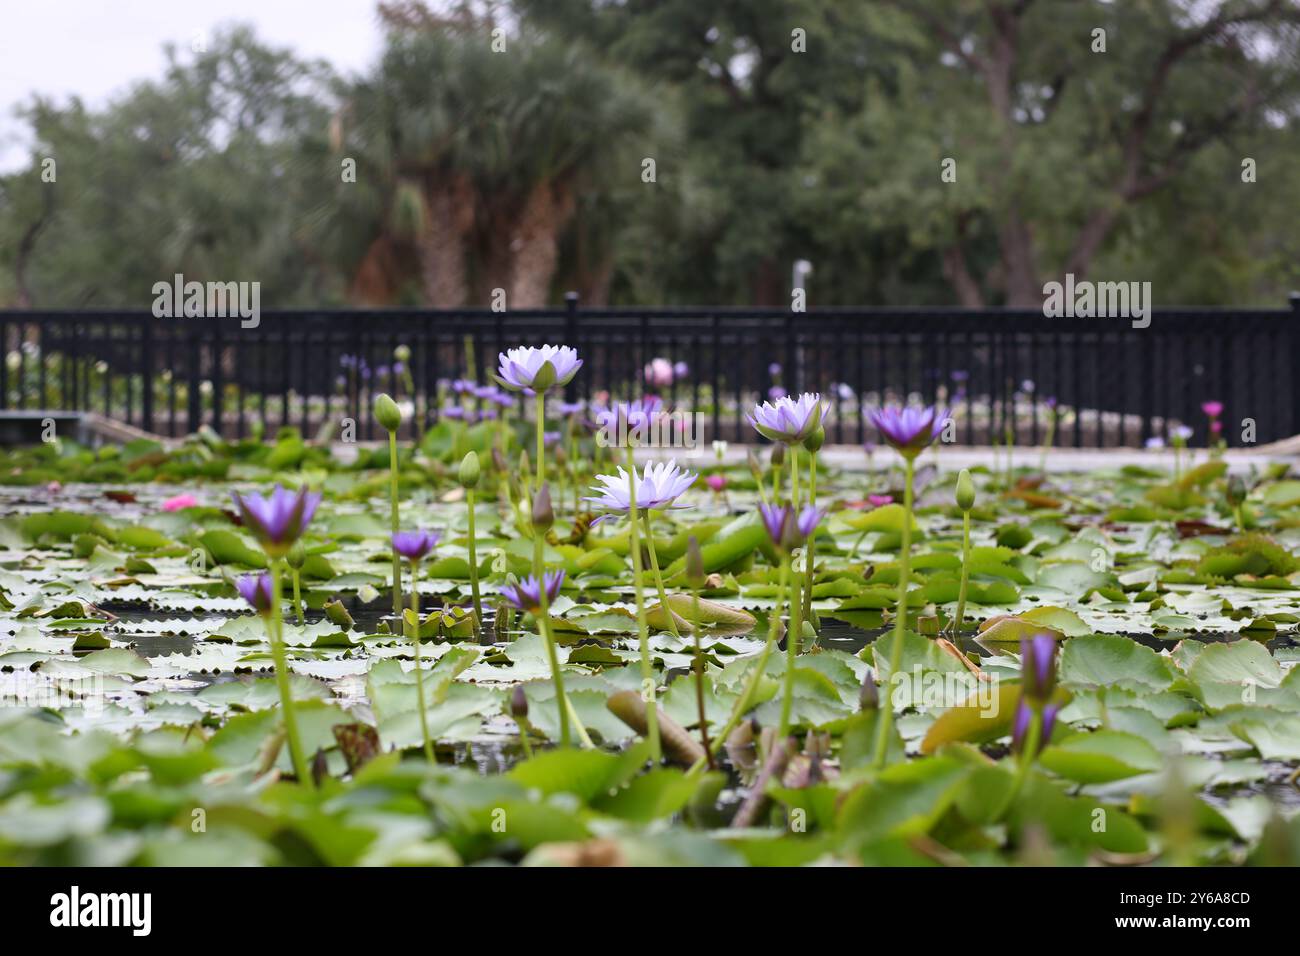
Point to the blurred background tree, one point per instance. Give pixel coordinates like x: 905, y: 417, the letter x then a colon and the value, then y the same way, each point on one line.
x: 779, y: 130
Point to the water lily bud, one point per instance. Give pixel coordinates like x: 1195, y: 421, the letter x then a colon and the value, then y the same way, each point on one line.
x: 755, y: 468
x: 694, y: 564
x: 543, y: 513
x: 1236, y: 492
x: 519, y: 703
x: 469, y: 471
x: 815, y: 441
x: 778, y: 455
x: 387, y: 413
x: 498, y: 459
x: 402, y: 353
x: 525, y: 463
x: 869, y: 695
x: 297, y: 555
x: 965, y: 491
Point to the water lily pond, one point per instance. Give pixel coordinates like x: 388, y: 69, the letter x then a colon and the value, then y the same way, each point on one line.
x: 1118, y: 687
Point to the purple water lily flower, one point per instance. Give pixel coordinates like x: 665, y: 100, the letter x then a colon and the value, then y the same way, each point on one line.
x: 538, y: 369
x: 414, y: 545
x: 527, y: 595
x: 788, y: 529
x: 1020, y: 726
x: 278, y: 521
x: 627, y: 420
x: 909, y: 430
x: 464, y: 386
x: 256, y: 590
x: 788, y: 420
x: 1038, y: 668
x: 569, y: 409
x: 658, y: 486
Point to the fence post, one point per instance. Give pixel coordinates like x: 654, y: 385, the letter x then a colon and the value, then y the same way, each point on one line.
x: 571, y: 334
x: 1294, y: 422
x: 194, y: 403
x: 146, y: 379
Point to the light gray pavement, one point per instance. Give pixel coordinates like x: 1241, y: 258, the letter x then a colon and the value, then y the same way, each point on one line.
x: 852, y: 457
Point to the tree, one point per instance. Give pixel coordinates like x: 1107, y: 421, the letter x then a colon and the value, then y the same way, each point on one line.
x: 210, y: 172
x: 1059, y: 132
x: 483, y: 143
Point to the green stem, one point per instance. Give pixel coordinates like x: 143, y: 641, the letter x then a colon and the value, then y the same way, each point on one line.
x: 473, y: 561
x: 751, y: 682
x: 1028, y: 754
x: 544, y: 625
x: 297, y: 597
x: 523, y: 739
x: 643, y: 630
x: 811, y: 563
x: 658, y: 575
x: 397, y: 561
x: 699, y: 677
x: 541, y: 438
x: 965, y: 572
x: 296, y: 754
x: 419, y: 669
x: 792, y: 641
x: 1047, y: 442
x: 793, y: 452
x: 900, y: 619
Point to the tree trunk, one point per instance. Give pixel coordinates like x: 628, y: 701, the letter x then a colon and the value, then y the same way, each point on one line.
x: 535, y: 245
x: 449, y: 207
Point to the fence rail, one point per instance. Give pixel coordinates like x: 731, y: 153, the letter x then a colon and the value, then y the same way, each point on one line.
x: 1112, y: 384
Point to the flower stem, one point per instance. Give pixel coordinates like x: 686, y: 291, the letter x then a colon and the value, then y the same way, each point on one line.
x: 791, y: 651
x: 811, y: 563
x: 473, y: 561
x: 297, y: 597
x: 419, y: 669
x: 658, y: 575
x: 296, y: 754
x: 544, y: 625
x: 699, y: 676
x: 794, y: 476
x: 900, y: 619
x: 541, y: 438
x: 1028, y: 754
x: 643, y: 630
x: 965, y: 572
x: 397, y: 560
x: 751, y: 682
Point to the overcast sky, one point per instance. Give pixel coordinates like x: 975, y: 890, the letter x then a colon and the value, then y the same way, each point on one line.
x: 95, y: 48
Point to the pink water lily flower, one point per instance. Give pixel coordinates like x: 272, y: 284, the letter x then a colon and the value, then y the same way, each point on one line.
x: 177, y: 502
x: 1212, y: 409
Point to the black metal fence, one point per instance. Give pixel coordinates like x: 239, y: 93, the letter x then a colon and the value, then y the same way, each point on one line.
x: 1112, y: 384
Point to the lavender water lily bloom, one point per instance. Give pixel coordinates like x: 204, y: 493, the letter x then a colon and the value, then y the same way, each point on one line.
x: 1024, y: 717
x: 1038, y: 668
x: 788, y: 420
x: 658, y: 486
x: 414, y: 545
x: 279, y: 520
x: 537, y: 369
x: 527, y: 594
x: 909, y: 430
x: 788, y: 529
x: 256, y: 590
x: 633, y: 418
